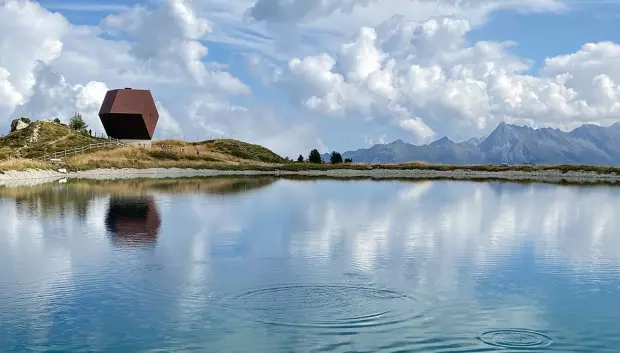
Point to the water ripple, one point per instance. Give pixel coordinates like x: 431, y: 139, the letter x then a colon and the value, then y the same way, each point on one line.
x: 516, y: 338
x: 324, y: 306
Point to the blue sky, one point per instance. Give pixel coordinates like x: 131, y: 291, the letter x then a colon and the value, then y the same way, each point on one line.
x: 334, y: 75
x: 541, y: 35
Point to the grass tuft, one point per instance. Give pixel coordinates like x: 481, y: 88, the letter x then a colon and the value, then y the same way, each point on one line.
x: 21, y: 164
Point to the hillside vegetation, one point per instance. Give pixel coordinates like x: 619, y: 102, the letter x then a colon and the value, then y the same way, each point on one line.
x: 218, y: 154
x: 227, y: 148
x: 41, y: 138
x: 20, y: 149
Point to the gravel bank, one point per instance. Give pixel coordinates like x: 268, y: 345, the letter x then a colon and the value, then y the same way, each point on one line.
x: 544, y: 176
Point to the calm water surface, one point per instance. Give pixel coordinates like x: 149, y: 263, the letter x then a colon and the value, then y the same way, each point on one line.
x: 266, y: 265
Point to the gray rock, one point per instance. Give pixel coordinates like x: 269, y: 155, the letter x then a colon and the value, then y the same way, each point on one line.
x: 18, y: 124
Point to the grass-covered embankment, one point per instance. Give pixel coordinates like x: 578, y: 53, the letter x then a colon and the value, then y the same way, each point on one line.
x: 130, y: 157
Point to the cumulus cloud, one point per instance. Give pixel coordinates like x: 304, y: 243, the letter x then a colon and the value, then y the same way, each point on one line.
x: 415, y: 73
x: 169, y: 39
x: 213, y: 118
x: 167, y: 125
x: 57, y: 68
x: 26, y: 42
x: 426, y: 78
x: 280, y: 29
x: 8, y: 94
x: 52, y: 96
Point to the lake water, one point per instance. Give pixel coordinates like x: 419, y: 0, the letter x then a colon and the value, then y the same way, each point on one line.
x: 274, y: 265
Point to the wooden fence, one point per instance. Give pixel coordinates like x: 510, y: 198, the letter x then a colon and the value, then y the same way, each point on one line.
x: 114, y: 143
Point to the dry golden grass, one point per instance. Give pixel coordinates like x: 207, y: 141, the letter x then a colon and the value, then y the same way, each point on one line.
x: 134, y: 157
x: 23, y: 164
x: 131, y: 157
x: 226, y: 148
x: 50, y: 137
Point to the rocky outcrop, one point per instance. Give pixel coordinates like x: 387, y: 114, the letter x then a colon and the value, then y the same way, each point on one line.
x: 18, y: 124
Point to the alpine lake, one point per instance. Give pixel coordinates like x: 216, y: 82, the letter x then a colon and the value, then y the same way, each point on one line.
x: 265, y: 264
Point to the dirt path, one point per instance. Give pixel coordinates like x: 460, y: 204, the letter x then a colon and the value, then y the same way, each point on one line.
x: 58, y: 139
x: 33, y: 139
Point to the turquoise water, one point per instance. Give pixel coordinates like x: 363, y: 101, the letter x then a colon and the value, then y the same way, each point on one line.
x: 269, y: 265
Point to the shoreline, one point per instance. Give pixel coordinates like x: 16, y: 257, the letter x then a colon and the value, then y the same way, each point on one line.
x: 547, y: 175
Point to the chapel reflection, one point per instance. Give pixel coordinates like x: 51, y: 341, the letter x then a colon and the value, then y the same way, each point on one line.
x: 133, y: 220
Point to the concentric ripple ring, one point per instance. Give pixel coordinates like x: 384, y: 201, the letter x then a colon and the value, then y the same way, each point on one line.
x: 324, y: 306
x: 516, y: 339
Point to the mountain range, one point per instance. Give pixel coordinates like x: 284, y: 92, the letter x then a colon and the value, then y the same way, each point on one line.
x: 588, y: 144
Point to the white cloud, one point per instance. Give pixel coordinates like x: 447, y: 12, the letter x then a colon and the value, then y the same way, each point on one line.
x: 409, y: 67
x: 167, y: 125
x: 169, y: 40
x: 297, y: 11
x: 59, y: 68
x: 28, y: 34
x: 426, y: 78
x: 214, y: 119
x: 418, y: 127
x: 370, y: 141
x: 8, y: 95
x: 284, y: 28
x: 52, y: 96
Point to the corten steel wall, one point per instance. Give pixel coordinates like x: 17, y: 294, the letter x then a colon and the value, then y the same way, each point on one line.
x: 129, y: 114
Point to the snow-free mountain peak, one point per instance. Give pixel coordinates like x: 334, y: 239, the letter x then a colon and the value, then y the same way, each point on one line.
x: 589, y: 144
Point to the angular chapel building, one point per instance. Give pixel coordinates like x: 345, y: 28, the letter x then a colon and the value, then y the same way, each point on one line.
x: 129, y: 114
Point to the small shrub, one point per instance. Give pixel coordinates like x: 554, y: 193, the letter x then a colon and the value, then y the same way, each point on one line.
x: 77, y: 122
x: 315, y: 157
x: 335, y: 158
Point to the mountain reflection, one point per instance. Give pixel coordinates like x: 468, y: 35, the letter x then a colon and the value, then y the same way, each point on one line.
x: 132, y: 220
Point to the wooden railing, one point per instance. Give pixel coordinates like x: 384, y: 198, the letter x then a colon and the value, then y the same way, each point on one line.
x: 110, y: 142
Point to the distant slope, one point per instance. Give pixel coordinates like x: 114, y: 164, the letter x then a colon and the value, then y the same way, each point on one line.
x: 588, y: 144
x: 41, y: 138
x: 243, y: 150
x: 179, y: 154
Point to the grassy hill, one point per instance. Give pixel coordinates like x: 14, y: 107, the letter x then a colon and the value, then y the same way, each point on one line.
x: 225, y: 149
x: 213, y: 154
x: 19, y: 150
x: 41, y: 138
